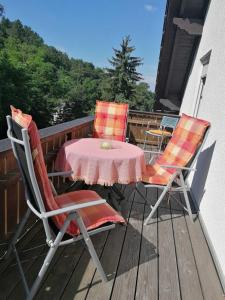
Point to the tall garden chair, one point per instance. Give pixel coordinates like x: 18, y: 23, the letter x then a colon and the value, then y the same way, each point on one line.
x: 165, y: 130
x: 110, y: 120
x: 170, y: 170
x: 66, y: 218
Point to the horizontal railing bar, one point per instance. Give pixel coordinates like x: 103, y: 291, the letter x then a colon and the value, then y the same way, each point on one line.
x: 151, y: 113
x: 59, y: 128
x: 52, y: 130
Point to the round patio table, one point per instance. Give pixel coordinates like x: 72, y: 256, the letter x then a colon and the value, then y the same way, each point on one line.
x: 123, y: 163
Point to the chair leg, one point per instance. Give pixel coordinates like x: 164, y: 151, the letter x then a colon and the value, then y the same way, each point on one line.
x: 186, y: 197
x: 91, y: 248
x: 165, y: 190
x: 42, y: 272
x: 18, y: 233
x: 118, y: 193
x: 49, y: 257
x: 154, y: 208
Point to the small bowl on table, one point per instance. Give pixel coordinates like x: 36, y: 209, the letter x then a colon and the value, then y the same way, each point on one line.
x: 106, y: 145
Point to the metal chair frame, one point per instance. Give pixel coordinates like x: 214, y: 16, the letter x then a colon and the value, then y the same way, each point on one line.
x: 180, y: 177
x: 166, y: 122
x: 52, y: 240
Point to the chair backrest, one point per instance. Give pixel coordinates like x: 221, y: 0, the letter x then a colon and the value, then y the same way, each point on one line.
x: 194, y: 158
x: 26, y: 144
x: 186, y: 143
x: 169, y: 122
x: 15, y: 135
x: 110, y: 120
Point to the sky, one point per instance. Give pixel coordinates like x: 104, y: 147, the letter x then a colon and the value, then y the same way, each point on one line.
x: 89, y: 29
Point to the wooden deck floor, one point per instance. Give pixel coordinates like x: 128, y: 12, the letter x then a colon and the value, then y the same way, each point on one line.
x: 168, y: 259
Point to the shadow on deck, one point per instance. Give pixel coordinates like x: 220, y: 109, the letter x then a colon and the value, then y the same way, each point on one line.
x: 168, y: 259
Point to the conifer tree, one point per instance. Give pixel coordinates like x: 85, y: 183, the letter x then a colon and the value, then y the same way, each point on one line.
x: 124, y: 74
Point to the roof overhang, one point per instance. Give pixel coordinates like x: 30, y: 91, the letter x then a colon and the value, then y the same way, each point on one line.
x: 183, y: 25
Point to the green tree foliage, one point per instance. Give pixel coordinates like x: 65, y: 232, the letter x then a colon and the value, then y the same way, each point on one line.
x: 13, y: 89
x: 143, y: 98
x: 1, y: 9
x: 46, y: 83
x: 39, y: 79
x: 124, y: 74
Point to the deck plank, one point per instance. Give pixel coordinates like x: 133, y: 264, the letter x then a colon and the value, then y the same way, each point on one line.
x: 60, y: 272
x: 32, y: 249
x: 168, y: 259
x: 124, y: 287
x: 31, y: 272
x: 210, y: 284
x: 111, y: 255
x: 81, y: 277
x: 189, y: 280
x: 141, y: 194
x: 98, y: 289
x: 168, y: 276
x: 147, y: 283
x: 27, y: 237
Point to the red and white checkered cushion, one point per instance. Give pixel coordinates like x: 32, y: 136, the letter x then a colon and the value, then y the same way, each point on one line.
x: 184, y: 143
x: 110, y: 120
x: 93, y: 216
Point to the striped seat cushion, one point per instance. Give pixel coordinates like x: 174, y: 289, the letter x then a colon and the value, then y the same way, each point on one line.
x: 93, y: 216
x: 181, y: 148
x: 110, y: 120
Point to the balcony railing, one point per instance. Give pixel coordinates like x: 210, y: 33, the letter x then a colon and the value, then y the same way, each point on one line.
x: 12, y: 204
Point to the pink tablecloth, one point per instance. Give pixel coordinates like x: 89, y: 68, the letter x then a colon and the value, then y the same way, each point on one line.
x: 124, y: 163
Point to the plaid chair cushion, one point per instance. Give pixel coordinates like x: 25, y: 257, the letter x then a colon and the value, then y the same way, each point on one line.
x: 93, y: 216
x: 186, y: 139
x: 110, y: 120
x: 107, y: 213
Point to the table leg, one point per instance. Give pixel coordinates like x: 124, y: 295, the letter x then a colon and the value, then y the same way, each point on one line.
x: 118, y: 193
x: 116, y: 203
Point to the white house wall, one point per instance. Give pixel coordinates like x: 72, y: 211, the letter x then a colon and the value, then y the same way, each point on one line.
x: 208, y: 186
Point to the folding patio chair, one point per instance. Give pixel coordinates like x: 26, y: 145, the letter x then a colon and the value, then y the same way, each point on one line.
x: 66, y: 218
x: 163, y: 132
x: 171, y: 168
x: 110, y: 120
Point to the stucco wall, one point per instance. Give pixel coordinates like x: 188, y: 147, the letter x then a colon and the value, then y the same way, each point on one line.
x: 208, y: 185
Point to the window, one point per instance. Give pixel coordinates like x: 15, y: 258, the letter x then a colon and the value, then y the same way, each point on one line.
x: 205, y: 63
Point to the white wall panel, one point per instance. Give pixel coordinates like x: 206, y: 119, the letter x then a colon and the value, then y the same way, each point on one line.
x: 208, y: 184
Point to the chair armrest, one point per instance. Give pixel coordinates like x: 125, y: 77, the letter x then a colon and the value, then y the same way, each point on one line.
x: 72, y: 208
x: 66, y: 173
x: 33, y: 209
x: 66, y: 209
x: 178, y: 167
